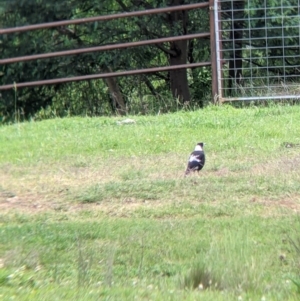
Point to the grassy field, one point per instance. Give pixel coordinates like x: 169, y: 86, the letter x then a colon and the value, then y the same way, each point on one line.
x: 94, y: 210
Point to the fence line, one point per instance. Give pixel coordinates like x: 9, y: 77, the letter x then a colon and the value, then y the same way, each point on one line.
x: 261, y: 48
x: 246, y: 63
x: 104, y: 18
x: 210, y: 34
x: 102, y: 75
x: 103, y: 48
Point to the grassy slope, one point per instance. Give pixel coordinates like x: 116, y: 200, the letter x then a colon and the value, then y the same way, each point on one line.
x: 91, y: 209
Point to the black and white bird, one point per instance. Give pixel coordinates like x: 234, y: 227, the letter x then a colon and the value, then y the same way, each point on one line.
x: 196, y: 159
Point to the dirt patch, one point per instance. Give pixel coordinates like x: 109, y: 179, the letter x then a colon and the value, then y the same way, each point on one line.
x: 27, y: 203
x: 287, y: 204
x: 35, y: 204
x: 50, y: 188
x: 283, y: 165
x: 222, y: 172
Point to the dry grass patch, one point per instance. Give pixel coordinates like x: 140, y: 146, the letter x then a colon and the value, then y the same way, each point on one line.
x: 134, y: 184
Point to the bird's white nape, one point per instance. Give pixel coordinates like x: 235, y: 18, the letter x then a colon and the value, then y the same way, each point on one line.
x: 198, y: 148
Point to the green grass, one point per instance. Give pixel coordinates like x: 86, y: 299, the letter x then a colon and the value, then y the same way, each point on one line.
x: 93, y: 210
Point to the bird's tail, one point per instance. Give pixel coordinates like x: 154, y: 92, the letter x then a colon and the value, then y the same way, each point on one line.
x: 187, y: 172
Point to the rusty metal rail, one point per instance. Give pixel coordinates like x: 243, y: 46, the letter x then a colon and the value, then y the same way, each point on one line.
x: 104, y: 18
x: 101, y: 75
x: 102, y: 48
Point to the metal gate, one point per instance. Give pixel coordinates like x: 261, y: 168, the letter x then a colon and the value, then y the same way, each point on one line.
x: 258, y: 49
x: 104, y: 18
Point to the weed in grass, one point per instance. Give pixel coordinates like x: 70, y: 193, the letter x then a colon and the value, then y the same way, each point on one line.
x: 84, y: 264
x: 237, y: 263
x: 19, y: 257
x: 109, y: 265
x: 199, y: 278
x: 293, y: 240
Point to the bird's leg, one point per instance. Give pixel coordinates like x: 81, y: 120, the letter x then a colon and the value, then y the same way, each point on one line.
x: 187, y: 172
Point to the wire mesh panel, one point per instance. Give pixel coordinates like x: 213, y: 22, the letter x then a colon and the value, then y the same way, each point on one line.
x: 258, y: 49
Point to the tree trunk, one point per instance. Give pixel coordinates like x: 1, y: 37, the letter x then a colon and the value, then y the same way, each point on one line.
x: 178, y: 54
x: 115, y: 93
